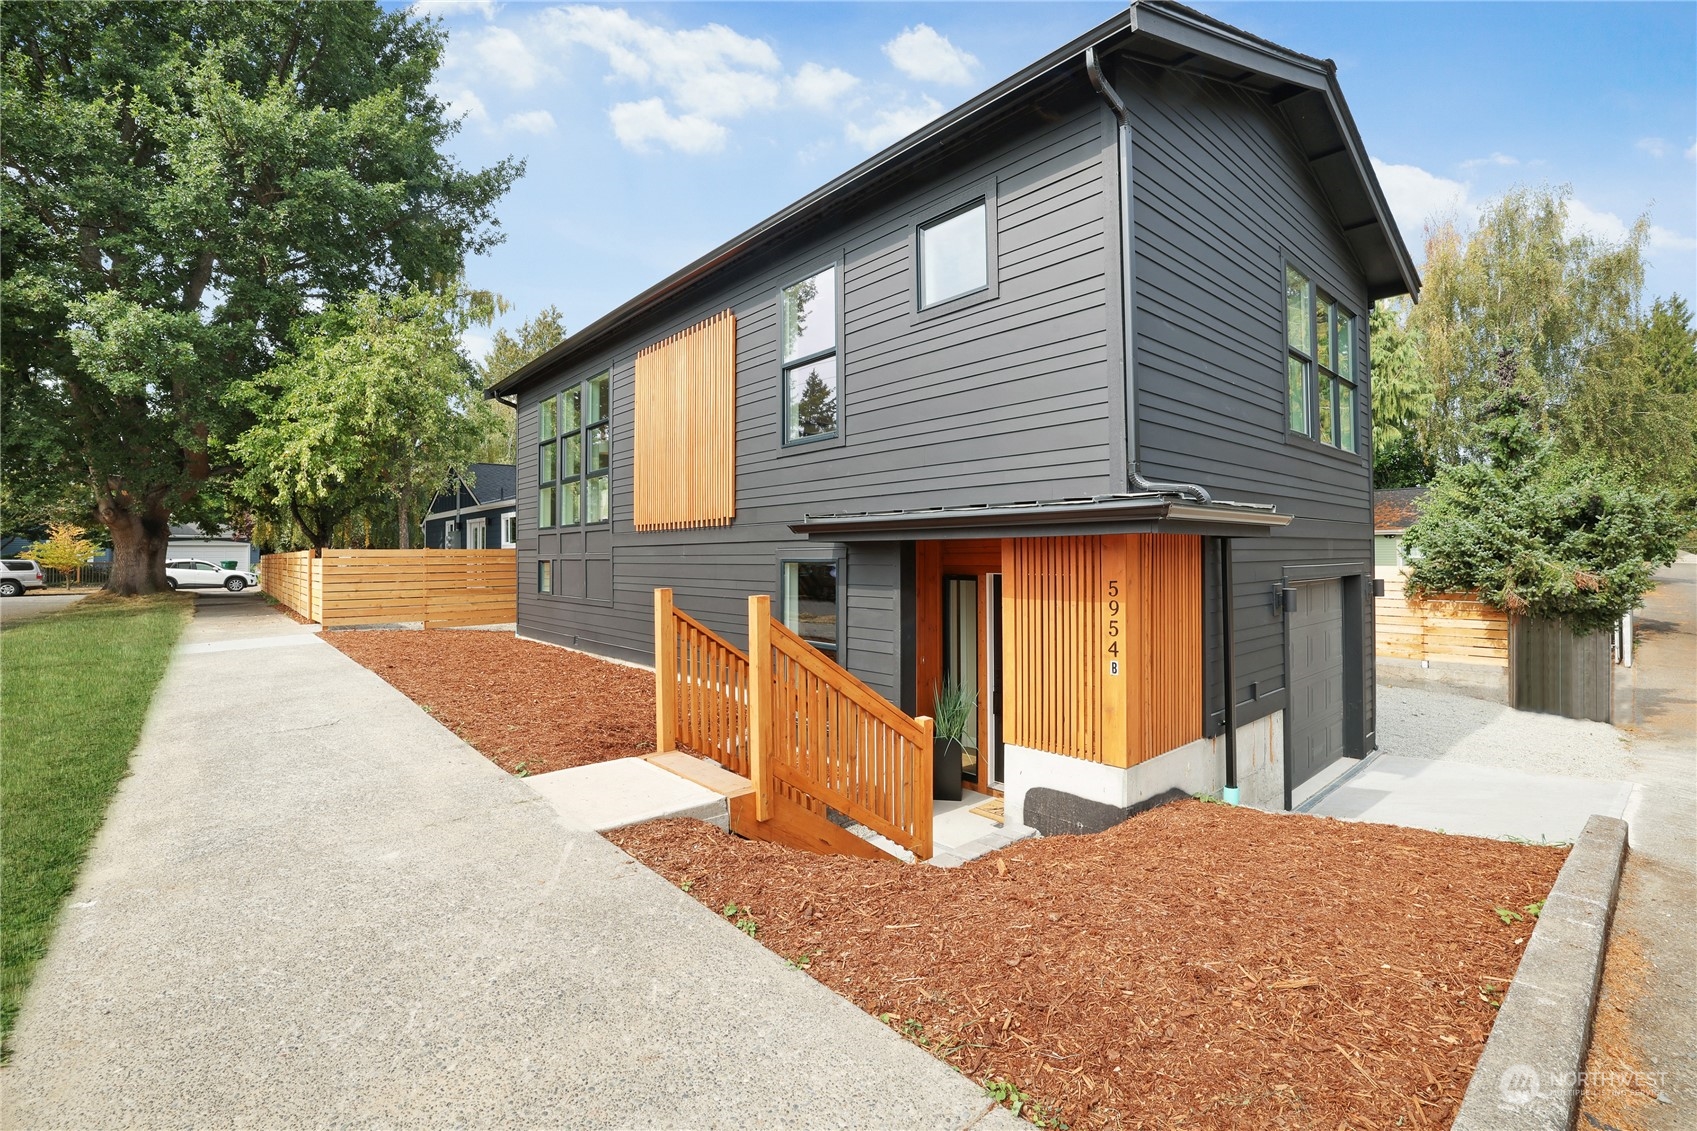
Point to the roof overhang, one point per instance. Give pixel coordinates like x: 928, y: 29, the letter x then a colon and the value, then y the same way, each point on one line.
x: 1303, y: 90
x: 1104, y: 514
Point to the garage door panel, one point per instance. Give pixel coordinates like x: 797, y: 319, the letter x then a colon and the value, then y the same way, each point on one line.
x: 1316, y: 678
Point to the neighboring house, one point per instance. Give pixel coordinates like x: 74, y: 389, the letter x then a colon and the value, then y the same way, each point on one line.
x: 1394, y: 511
x: 480, y: 513
x: 222, y: 547
x: 956, y: 423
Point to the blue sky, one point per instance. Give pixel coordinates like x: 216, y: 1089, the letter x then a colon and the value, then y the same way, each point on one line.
x: 656, y: 131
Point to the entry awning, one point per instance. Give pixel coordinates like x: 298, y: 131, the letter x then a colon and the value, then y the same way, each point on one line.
x: 1104, y: 514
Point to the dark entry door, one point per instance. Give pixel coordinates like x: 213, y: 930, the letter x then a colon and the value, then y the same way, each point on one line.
x: 1316, y: 679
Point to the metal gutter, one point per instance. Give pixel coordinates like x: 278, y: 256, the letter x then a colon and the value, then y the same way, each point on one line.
x: 1148, y: 511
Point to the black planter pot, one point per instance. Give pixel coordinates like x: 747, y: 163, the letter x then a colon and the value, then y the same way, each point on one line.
x: 945, y: 769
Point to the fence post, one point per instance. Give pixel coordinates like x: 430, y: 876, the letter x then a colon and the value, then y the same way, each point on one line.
x: 922, y: 807
x: 665, y: 673
x: 760, y: 702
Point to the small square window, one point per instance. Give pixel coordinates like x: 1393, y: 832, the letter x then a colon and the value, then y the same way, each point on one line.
x: 810, y: 603
x: 509, y: 530
x: 954, y: 256
x: 544, y: 577
x: 810, y: 398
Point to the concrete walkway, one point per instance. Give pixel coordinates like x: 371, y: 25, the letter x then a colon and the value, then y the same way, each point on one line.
x: 312, y: 905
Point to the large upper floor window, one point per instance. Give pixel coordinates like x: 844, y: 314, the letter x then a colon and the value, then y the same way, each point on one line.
x: 1319, y: 363
x: 954, y: 255
x: 574, y: 455
x: 810, y: 358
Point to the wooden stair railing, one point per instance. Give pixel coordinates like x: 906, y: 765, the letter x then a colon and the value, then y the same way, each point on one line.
x: 803, y: 729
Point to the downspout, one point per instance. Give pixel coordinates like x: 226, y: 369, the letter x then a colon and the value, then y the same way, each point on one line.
x: 1228, y: 667
x: 1128, y: 296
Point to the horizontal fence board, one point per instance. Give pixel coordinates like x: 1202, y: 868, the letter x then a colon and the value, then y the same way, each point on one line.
x: 1446, y: 628
x: 441, y: 588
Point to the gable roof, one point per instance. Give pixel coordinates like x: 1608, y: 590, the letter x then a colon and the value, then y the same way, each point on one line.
x: 1304, y: 91
x: 1396, y: 509
x: 490, y: 484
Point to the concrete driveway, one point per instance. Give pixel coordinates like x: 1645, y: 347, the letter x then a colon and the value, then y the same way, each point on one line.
x: 312, y: 905
x: 36, y: 603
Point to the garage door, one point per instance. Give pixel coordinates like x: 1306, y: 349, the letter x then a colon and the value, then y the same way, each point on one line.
x: 1316, y: 679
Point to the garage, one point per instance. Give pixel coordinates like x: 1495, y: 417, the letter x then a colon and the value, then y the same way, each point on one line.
x: 1317, y: 673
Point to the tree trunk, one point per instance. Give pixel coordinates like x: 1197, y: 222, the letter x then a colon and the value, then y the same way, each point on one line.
x: 405, y: 537
x: 140, y: 539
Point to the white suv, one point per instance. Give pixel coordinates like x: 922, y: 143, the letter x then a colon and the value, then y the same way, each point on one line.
x: 18, y: 576
x: 189, y: 573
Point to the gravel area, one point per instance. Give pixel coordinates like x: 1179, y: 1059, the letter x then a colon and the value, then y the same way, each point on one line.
x: 1424, y: 723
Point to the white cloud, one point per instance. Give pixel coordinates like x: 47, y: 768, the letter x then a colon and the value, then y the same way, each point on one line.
x: 639, y: 124
x: 1501, y: 159
x: 709, y: 71
x: 529, y: 122
x: 892, y: 124
x: 921, y: 53
x: 476, y: 346
x: 1654, y: 146
x: 820, y: 88
x: 1417, y: 198
x: 1691, y: 154
x: 1582, y: 219
x: 502, y: 54
x: 446, y: 8
x: 463, y: 103
x: 1666, y: 239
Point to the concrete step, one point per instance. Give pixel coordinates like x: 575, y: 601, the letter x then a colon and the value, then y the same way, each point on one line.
x: 627, y: 791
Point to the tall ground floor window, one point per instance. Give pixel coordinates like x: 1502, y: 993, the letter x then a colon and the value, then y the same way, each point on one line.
x: 810, y: 602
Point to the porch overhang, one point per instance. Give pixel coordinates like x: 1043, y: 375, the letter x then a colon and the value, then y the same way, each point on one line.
x: 1103, y: 514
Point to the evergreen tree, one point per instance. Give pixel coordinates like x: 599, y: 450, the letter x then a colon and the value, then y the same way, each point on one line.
x: 816, y: 408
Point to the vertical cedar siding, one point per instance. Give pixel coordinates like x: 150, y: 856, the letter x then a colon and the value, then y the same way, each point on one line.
x: 1059, y: 625
x: 685, y: 441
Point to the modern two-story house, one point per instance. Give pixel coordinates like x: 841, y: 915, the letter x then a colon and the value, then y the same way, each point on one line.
x: 1065, y: 396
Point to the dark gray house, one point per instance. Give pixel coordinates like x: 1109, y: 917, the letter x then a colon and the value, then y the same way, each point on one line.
x: 479, y: 512
x: 1015, y: 402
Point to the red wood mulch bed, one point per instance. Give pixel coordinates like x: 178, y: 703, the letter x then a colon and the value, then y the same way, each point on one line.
x: 519, y: 703
x: 1197, y: 966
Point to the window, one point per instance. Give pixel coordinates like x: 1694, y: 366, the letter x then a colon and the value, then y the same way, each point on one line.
x: 575, y: 455
x: 544, y: 577
x: 954, y: 255
x: 1319, y: 364
x: 509, y: 529
x: 810, y: 358
x: 477, y: 534
x: 547, y: 463
x: 810, y: 603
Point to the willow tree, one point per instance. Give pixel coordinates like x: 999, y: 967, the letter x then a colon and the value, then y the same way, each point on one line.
x: 184, y: 182
x: 1526, y: 287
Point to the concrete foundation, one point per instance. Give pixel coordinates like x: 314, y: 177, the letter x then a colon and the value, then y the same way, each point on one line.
x: 1479, y: 681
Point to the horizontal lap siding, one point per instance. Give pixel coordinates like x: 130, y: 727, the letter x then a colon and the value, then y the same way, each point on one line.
x: 1221, y: 195
x: 1006, y: 399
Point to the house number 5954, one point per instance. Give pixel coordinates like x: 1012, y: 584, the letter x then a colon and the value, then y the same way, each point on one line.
x: 1113, y: 628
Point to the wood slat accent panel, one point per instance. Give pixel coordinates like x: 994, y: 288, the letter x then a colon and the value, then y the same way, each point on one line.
x: 1452, y: 629
x: 685, y: 465
x: 1102, y: 652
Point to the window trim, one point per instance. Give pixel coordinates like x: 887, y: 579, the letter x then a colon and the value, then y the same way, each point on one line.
x: 836, y: 259
x: 1319, y: 290
x: 581, y: 432
x: 984, y: 191
x: 826, y: 556
x: 548, y: 407
x: 545, y: 569
x: 479, y: 523
x: 509, y: 530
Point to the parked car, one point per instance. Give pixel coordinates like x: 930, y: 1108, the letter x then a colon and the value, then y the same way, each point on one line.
x: 19, y: 575
x: 190, y: 573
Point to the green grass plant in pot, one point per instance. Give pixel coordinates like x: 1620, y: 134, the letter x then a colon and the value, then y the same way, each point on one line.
x: 952, y: 705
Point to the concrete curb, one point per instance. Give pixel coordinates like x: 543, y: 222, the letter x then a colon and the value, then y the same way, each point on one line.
x: 1532, y: 1071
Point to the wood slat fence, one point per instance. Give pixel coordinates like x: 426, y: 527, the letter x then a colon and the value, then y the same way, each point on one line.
x: 1451, y: 629
x: 441, y: 588
x: 792, y: 721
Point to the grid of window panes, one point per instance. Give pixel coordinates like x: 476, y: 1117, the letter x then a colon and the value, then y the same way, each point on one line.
x: 575, y: 455
x: 809, y: 315
x: 1319, y: 364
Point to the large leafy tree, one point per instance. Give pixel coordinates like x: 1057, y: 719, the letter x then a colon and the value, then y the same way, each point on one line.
x: 374, y: 410
x: 1402, y: 399
x: 507, y: 354
x: 1521, y: 286
x: 184, y: 181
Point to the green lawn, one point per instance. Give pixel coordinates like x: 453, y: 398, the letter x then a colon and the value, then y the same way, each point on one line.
x: 74, y: 687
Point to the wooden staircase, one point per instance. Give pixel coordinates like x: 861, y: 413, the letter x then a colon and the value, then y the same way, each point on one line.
x: 809, y: 736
